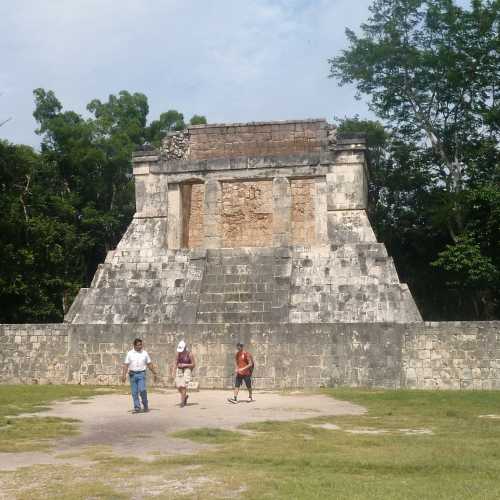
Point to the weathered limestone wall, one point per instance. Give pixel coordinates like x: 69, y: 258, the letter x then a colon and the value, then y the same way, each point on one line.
x: 460, y: 355
x: 255, y: 139
x: 454, y: 355
x: 34, y: 353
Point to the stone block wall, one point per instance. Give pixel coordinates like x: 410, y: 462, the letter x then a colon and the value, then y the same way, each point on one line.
x: 34, y: 353
x: 255, y: 139
x: 455, y: 355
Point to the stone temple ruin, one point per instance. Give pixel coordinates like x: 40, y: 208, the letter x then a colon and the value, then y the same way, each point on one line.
x: 254, y: 232
x: 249, y: 223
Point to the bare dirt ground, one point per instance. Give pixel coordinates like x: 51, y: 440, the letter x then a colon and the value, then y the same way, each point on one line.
x: 107, y: 421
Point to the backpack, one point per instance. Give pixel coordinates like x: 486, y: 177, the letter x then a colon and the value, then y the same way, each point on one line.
x: 252, y: 367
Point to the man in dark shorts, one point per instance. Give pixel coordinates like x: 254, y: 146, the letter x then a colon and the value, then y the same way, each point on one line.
x: 243, y: 372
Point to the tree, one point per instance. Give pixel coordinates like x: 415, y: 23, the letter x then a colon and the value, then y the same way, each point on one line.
x: 171, y: 121
x: 39, y: 245
x: 198, y: 120
x: 432, y: 70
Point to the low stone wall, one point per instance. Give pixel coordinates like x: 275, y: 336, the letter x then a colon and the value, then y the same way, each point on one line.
x: 420, y: 355
x: 451, y: 355
x: 33, y: 353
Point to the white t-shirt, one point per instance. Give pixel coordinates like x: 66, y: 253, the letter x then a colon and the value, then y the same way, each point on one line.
x: 137, y: 361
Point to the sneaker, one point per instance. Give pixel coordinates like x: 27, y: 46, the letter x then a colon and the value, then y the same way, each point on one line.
x: 136, y: 410
x: 146, y: 410
x: 232, y: 400
x: 250, y: 400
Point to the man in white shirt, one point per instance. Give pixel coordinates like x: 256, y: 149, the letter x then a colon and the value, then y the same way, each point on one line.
x: 136, y: 362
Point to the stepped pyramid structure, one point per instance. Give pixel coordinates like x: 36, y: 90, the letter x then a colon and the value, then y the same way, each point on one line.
x: 249, y: 223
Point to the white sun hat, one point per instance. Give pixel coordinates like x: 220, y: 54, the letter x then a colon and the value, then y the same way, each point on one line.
x: 181, y: 346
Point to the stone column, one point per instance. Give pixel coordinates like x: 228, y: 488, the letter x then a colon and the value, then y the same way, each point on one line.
x: 347, y: 193
x: 174, y: 218
x: 282, y: 212
x: 212, y: 214
x: 150, y: 186
x: 320, y: 210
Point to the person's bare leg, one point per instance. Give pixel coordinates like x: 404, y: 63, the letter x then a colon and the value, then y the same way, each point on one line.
x: 236, y: 390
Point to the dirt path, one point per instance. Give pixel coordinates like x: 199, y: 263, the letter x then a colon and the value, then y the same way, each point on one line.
x: 107, y: 421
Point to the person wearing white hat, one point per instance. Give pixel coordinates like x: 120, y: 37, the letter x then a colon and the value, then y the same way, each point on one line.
x: 184, y: 364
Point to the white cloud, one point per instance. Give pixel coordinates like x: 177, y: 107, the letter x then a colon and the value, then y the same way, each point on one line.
x: 230, y: 60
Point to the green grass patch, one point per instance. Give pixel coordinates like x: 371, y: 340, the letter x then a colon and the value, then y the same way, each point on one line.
x: 34, y: 433
x: 17, y: 399
x: 459, y: 460
x: 37, y: 433
x: 209, y: 435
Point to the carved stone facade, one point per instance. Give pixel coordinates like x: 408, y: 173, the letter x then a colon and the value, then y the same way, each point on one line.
x: 249, y: 223
x: 247, y: 214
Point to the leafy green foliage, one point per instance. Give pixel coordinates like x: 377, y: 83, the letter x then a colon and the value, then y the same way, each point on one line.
x: 431, y: 69
x: 468, y: 267
x: 198, y: 120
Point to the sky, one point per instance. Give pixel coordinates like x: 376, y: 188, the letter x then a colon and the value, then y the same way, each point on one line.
x: 230, y: 60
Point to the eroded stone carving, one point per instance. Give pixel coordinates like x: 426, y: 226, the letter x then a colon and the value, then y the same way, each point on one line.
x: 175, y: 146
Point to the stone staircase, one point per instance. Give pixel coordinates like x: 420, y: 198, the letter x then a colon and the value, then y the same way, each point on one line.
x: 245, y: 285
x: 321, y: 284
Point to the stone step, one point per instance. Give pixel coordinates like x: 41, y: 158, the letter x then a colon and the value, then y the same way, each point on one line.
x: 388, y: 302
x: 297, y: 284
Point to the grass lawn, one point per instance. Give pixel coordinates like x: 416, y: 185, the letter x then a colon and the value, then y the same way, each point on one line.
x: 409, y: 445
x: 36, y: 433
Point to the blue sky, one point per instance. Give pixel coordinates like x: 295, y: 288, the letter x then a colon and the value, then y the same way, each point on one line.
x: 233, y: 61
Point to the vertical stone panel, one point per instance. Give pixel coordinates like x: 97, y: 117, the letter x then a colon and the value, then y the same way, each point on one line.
x: 320, y: 210
x: 174, y: 221
x: 303, y: 222
x: 212, y: 210
x: 192, y: 215
x: 247, y: 214
x: 347, y: 185
x: 282, y: 201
